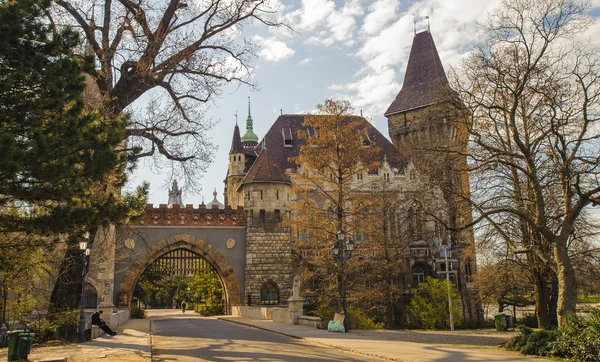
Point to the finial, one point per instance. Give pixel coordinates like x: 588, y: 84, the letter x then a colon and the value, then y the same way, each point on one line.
x: 215, y: 193
x: 281, y: 111
x: 361, y: 113
x: 428, y: 28
x: 236, y: 119
x: 248, y: 106
x: 415, y: 25
x: 202, y: 199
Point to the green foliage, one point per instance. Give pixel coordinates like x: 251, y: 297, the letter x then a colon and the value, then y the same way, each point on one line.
x: 60, y: 325
x: 579, y: 337
x: 156, y: 290
x: 360, y: 320
x: 533, y: 342
x: 206, y: 294
x: 56, y: 157
x: 203, y: 291
x: 429, y: 305
x: 137, y: 312
x: 588, y: 299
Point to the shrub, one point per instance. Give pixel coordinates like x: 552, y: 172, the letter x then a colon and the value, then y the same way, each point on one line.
x: 360, y: 320
x: 208, y: 310
x: 579, y: 338
x: 538, y: 343
x: 429, y: 305
x: 137, y: 312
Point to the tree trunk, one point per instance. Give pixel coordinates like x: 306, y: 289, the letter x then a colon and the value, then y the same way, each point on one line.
x: 541, y: 300
x: 67, y: 290
x: 553, y: 300
x: 567, y: 285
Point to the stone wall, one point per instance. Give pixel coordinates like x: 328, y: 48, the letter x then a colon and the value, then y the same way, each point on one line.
x: 268, y: 259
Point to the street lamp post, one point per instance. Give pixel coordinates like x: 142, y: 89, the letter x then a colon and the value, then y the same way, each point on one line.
x: 448, y: 289
x: 341, y: 252
x: 85, y: 252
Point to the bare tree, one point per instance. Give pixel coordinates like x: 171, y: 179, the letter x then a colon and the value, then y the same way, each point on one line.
x: 532, y: 92
x: 180, y: 53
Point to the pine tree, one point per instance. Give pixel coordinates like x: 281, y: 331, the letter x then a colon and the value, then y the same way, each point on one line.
x: 53, y: 153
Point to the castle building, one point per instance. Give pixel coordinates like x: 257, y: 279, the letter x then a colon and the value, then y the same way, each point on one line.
x: 425, y: 122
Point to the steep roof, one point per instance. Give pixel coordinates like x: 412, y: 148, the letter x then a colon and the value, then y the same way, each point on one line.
x: 425, y: 81
x: 236, y: 142
x: 265, y: 169
x: 283, y: 142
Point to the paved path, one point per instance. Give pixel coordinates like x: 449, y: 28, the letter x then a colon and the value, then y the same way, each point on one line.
x: 404, y: 346
x: 192, y: 338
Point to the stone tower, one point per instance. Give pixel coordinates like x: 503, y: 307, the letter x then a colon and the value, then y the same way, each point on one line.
x: 427, y: 124
x: 265, y: 190
x: 238, y: 158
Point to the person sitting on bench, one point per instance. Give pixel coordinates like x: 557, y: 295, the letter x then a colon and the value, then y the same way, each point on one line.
x: 96, y: 320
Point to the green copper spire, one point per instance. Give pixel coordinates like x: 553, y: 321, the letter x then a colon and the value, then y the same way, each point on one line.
x: 249, y: 136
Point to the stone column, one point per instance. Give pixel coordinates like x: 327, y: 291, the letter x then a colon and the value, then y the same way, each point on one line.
x: 102, y: 269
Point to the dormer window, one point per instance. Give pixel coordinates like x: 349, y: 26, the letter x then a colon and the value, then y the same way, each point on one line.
x: 366, y: 141
x: 287, y: 137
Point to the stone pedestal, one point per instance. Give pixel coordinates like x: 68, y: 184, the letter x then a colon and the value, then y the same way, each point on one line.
x: 295, y: 307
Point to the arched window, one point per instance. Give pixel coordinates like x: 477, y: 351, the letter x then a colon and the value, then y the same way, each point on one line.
x: 269, y: 294
x: 418, y: 276
x: 411, y: 224
x: 90, y: 299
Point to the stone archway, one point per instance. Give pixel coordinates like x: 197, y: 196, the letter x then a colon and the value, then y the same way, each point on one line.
x: 198, y: 246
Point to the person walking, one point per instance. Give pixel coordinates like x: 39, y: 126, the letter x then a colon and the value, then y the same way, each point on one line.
x: 97, y: 321
x: 183, y: 306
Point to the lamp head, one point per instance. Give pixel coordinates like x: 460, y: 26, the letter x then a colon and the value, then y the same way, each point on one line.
x: 350, y: 244
x: 341, y: 235
x: 335, y: 249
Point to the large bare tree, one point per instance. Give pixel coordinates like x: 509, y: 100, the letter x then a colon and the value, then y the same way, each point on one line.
x: 180, y: 53
x: 532, y: 91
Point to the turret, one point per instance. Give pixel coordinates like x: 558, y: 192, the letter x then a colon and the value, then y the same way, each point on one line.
x: 250, y: 139
x: 237, y: 158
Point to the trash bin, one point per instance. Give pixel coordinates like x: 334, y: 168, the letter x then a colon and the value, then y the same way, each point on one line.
x: 509, y: 321
x: 19, y: 344
x: 500, y: 321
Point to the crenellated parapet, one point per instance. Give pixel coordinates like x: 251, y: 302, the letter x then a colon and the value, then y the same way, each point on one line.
x: 190, y: 216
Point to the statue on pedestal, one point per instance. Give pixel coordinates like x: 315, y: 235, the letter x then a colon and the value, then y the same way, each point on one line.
x: 175, y: 195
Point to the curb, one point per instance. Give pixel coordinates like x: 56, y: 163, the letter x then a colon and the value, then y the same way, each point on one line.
x: 257, y: 327
x: 313, y: 341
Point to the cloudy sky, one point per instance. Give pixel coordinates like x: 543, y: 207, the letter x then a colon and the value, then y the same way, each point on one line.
x: 355, y: 50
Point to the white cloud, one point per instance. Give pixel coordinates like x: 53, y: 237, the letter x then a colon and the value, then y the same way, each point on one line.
x: 306, y: 61
x: 326, y: 25
x: 273, y: 50
x: 381, y: 13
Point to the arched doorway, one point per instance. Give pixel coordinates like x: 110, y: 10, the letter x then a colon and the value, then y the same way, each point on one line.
x: 231, y: 288
x: 181, y: 276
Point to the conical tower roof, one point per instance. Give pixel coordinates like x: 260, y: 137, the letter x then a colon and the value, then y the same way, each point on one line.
x: 425, y: 81
x: 236, y: 142
x: 249, y: 136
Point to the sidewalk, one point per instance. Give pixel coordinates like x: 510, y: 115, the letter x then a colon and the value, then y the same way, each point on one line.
x: 404, y: 346
x: 131, y: 344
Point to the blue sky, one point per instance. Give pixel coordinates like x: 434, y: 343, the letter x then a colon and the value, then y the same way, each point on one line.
x: 354, y: 50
